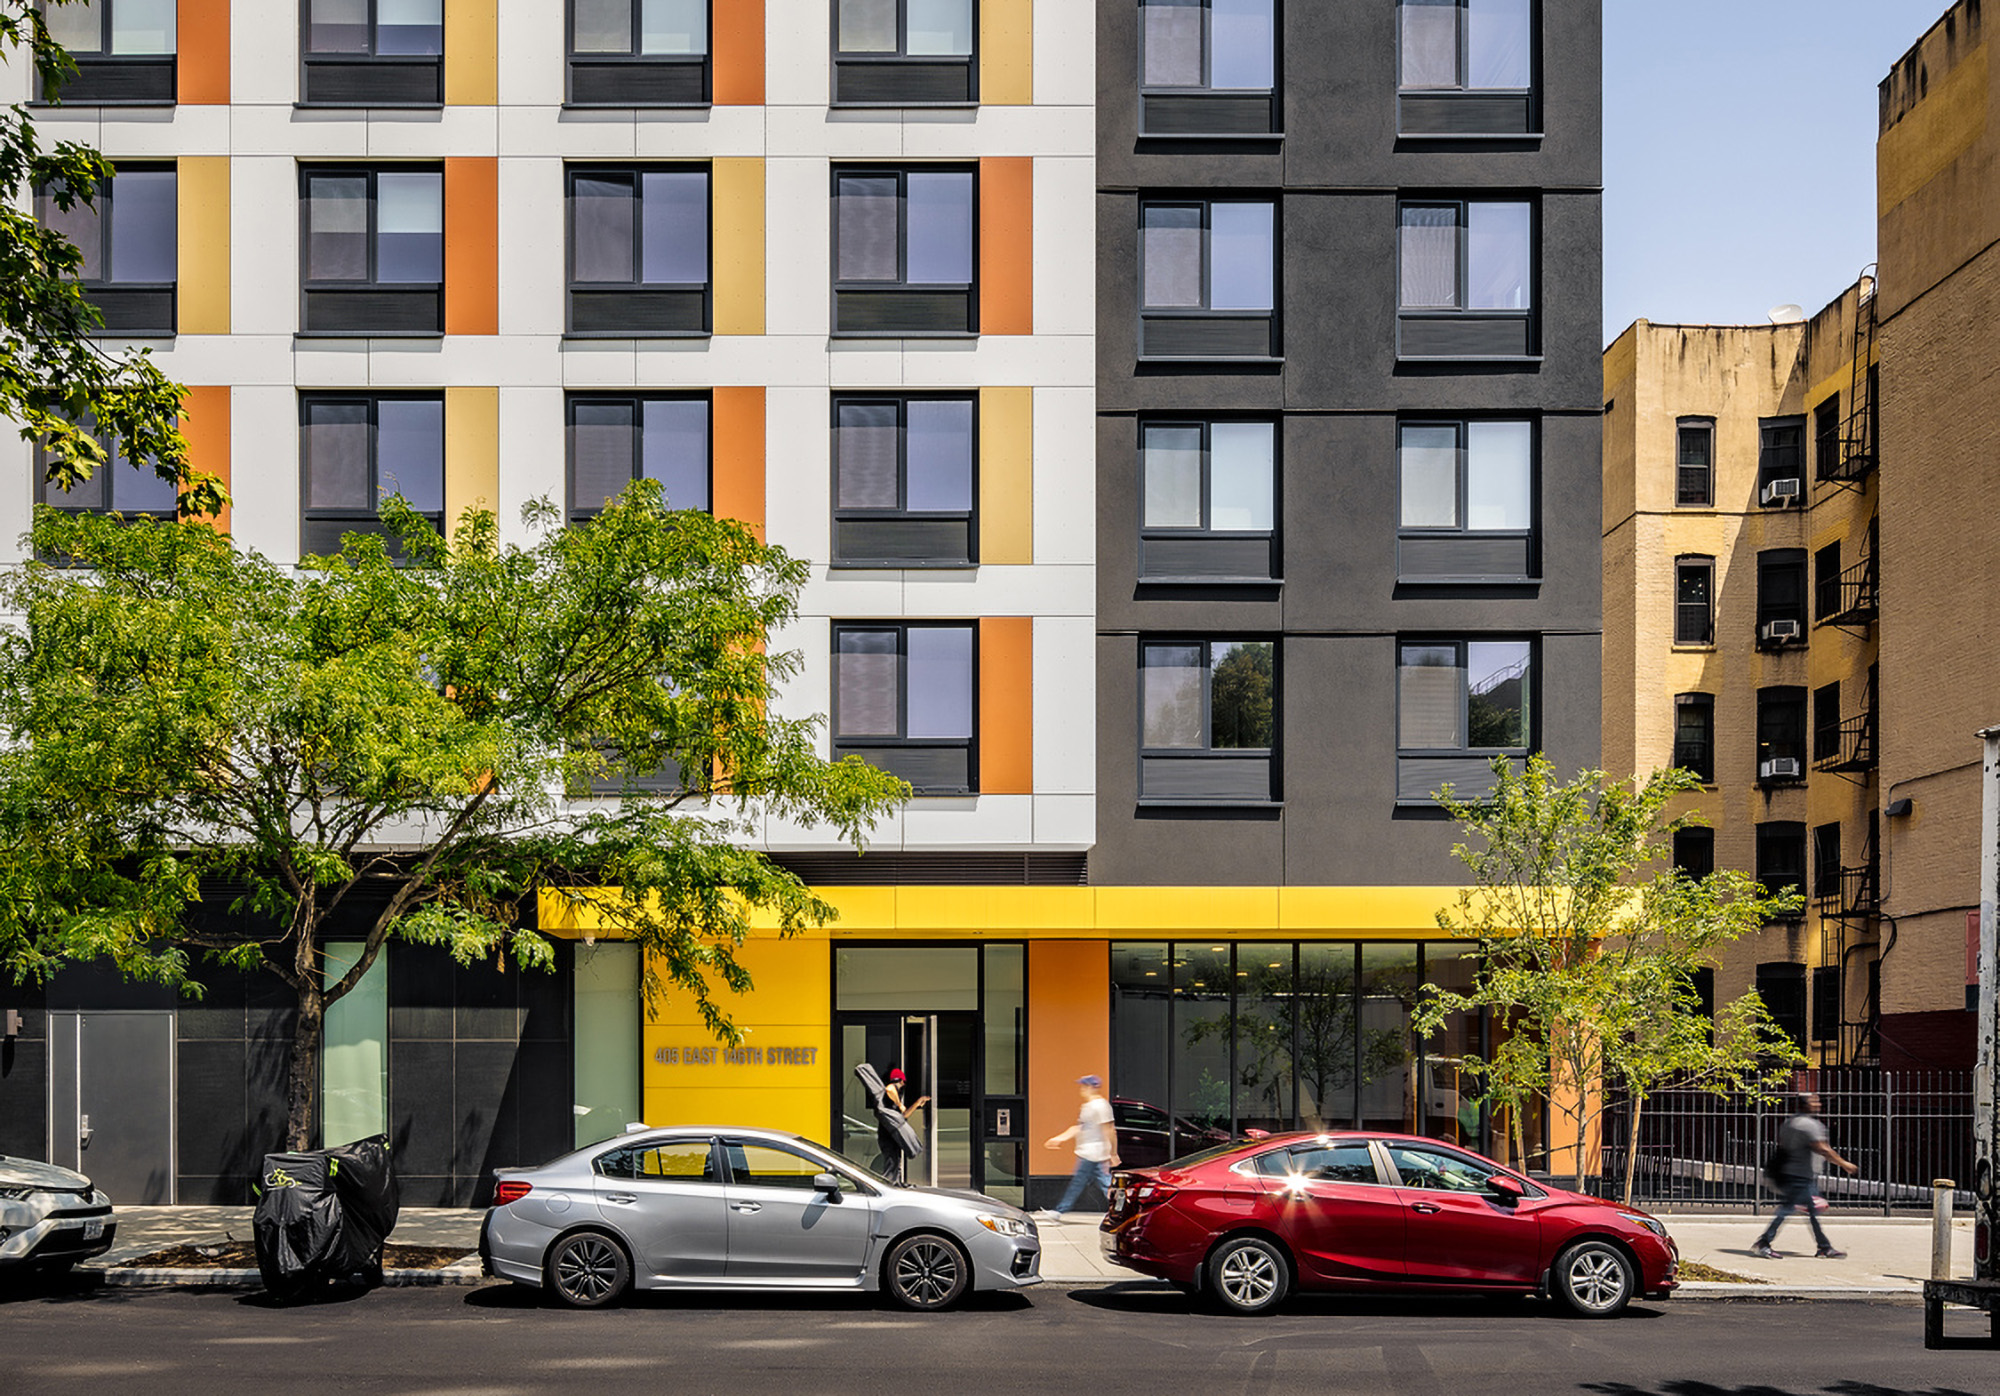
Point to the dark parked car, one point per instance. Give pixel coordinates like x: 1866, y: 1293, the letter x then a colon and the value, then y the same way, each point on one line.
x: 1148, y: 1135
x: 1246, y: 1224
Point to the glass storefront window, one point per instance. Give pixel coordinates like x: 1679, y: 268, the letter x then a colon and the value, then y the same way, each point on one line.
x: 1264, y: 1037
x: 1390, y: 978
x: 1006, y: 1011
x: 1328, y: 1069
x: 926, y: 978
x: 1203, y: 989
x: 1450, y: 1107
x: 606, y: 1035
x: 354, y: 1069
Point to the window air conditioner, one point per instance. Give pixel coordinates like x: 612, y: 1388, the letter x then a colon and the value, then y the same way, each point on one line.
x: 1782, y: 630
x: 1778, y: 768
x: 1783, y: 491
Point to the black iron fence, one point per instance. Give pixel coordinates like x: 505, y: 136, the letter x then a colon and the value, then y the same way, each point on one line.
x: 1696, y: 1150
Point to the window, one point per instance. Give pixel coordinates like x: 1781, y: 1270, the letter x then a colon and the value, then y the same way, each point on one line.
x: 1826, y: 722
x: 615, y: 439
x: 1694, y: 851
x: 1826, y: 438
x: 1428, y: 1168
x: 130, y: 243
x: 1826, y: 860
x: 903, y: 480
x: 1352, y: 1163
x: 638, y: 252
x: 1208, y: 67
x: 124, y: 50
x: 903, y: 252
x: 1694, y: 734
x: 1694, y: 464
x: 372, y: 251
x: 1781, y: 735
x: 1694, y: 600
x: 903, y: 700
x: 769, y: 1166
x: 1826, y: 1003
x: 1781, y: 597
x: 1208, y: 279
x: 1781, y: 461
x: 638, y: 53
x: 1468, y: 67
x: 1207, y: 721
x: 357, y: 450
x: 116, y: 487
x: 1208, y: 508
x: 677, y: 1161
x: 904, y: 53
x: 1782, y: 986
x: 373, y: 53
x: 1468, y: 504
x: 1467, y: 277
x: 1459, y: 703
x: 1826, y: 582
x: 1781, y: 856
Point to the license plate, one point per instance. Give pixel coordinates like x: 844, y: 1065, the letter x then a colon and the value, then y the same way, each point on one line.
x: 93, y: 1229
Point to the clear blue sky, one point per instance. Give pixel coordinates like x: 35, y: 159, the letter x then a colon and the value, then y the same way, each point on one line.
x: 1739, y: 151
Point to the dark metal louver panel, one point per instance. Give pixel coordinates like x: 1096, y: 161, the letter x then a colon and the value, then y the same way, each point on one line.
x: 896, y: 541
x: 1462, y: 555
x: 903, y: 312
x: 1466, y: 114
x: 133, y: 309
x: 1466, y: 337
x: 669, y: 780
x: 1233, y: 558
x: 321, y: 537
x: 1207, y: 337
x: 933, y: 770
x: 937, y: 869
x: 1245, y: 778
x: 638, y: 312
x: 901, y: 82
x: 376, y: 82
x: 638, y: 82
x: 374, y: 310
x: 1209, y: 114
x: 122, y: 82
x: 1470, y: 777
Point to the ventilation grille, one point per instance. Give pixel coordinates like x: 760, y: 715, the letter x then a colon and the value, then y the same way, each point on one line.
x: 638, y: 312
x: 1208, y: 114
x: 945, y: 770
x: 1206, y: 337
x: 374, y: 311
x: 903, y: 312
x: 1467, y: 555
x: 1470, y: 777
x: 1466, y: 337
x: 899, y: 82
x: 133, y: 310
x: 375, y: 82
x: 1233, y: 558
x: 1245, y: 778
x: 937, y: 869
x: 895, y: 541
x: 121, y: 81
x: 638, y: 82
x: 1466, y: 114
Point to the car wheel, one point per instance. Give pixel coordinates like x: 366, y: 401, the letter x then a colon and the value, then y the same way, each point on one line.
x: 926, y: 1272
x: 588, y: 1270
x: 1594, y: 1279
x: 1249, y: 1275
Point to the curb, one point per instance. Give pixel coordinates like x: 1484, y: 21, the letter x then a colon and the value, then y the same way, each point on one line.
x: 459, y: 1273
x: 1709, y: 1289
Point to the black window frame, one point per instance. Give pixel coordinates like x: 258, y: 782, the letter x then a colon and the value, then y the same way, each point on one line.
x: 1234, y: 779
x: 920, y: 522
x: 574, y: 513
x: 107, y: 79
x: 1781, y: 455
x: 1828, y: 432
x: 1779, y: 570
x: 370, y: 520
x: 1207, y: 112
x: 1826, y: 722
x: 1200, y: 333
x: 1204, y: 554
x: 1695, y: 752
x: 613, y: 308
x: 1694, y: 851
x: 1826, y: 1004
x: 871, y: 747
x: 633, y: 79
x: 1781, y: 732
x: 1467, y: 768
x: 1781, y: 859
x: 368, y: 79
x: 1700, y: 475
x: 1826, y: 865
x: 1464, y: 112
x: 901, y: 79
x: 905, y: 315
x: 1435, y: 554
x: 335, y: 299
x: 1687, y: 634
x: 131, y: 309
x: 1449, y: 333
x: 109, y: 473
x: 1826, y: 582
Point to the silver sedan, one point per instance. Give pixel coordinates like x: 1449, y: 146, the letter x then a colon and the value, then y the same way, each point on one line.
x: 714, y: 1208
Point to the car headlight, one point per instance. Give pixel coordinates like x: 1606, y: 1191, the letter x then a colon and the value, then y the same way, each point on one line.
x: 1651, y: 1224
x: 1003, y: 1226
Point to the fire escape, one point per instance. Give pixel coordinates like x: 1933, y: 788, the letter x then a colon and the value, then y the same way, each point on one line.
x: 1856, y: 459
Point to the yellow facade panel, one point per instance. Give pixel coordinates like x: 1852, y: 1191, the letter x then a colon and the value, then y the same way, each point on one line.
x: 1393, y: 913
x: 202, y: 186
x: 1007, y: 475
x: 1165, y: 911
x: 797, y: 1109
x: 738, y: 240
x: 1006, y: 53
x: 471, y: 452
x: 471, y: 53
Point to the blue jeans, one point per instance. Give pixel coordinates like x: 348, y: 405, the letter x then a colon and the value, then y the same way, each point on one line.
x: 1797, y: 1196
x: 1088, y: 1171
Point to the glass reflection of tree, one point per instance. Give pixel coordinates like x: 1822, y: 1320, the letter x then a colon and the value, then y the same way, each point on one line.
x: 1240, y: 697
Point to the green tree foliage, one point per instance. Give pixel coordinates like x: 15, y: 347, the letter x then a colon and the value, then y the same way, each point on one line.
x: 1240, y: 701
x: 404, y: 725
x: 1589, y: 948
x: 55, y: 380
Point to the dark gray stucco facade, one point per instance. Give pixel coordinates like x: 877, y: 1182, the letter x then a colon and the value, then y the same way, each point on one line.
x: 1337, y: 177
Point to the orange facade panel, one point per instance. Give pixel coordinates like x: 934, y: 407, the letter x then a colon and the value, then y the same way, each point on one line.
x: 1007, y: 245
x: 1007, y: 705
x: 1069, y: 1035
x: 471, y: 245
x: 736, y: 54
x: 201, y: 69
x: 737, y: 431
x: 205, y: 424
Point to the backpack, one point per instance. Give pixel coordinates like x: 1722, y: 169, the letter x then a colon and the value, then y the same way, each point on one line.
x: 1774, y: 1169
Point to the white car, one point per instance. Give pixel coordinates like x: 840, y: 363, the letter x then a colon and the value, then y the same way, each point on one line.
x: 50, y: 1218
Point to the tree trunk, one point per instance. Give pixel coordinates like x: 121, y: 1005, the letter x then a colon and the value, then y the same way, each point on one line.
x: 302, y: 1080
x: 1632, y: 1146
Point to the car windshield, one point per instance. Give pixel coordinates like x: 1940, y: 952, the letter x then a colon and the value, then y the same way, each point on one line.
x: 1219, y: 1151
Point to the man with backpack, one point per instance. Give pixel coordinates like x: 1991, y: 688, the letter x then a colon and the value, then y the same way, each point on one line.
x: 1793, y: 1173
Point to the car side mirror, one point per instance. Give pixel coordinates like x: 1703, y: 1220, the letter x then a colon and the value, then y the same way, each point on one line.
x: 1505, y: 1188
x: 827, y: 1183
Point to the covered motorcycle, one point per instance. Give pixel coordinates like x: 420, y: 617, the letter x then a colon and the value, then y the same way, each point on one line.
x: 324, y: 1215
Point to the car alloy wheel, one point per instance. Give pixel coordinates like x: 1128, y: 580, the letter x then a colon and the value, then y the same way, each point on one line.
x: 927, y: 1272
x: 1594, y: 1279
x: 588, y: 1270
x: 1249, y: 1276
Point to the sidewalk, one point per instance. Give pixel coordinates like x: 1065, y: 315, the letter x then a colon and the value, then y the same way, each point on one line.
x: 1885, y: 1255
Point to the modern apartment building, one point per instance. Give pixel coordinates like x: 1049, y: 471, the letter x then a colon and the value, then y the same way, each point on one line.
x: 1194, y: 439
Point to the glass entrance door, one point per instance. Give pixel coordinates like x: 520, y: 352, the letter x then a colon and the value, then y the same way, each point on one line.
x: 938, y: 1054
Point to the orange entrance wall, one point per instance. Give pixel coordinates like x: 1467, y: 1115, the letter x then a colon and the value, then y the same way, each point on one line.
x: 1069, y: 1035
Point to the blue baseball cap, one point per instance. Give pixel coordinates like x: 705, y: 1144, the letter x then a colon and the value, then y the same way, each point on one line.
x: 1091, y: 1081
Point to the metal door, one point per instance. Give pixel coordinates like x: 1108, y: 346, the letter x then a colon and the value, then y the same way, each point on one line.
x: 939, y: 1053
x: 111, y: 1101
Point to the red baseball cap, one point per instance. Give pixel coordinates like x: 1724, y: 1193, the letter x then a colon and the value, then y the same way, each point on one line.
x: 896, y: 1074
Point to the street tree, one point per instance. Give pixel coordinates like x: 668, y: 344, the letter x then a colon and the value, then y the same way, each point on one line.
x: 66, y: 390
x: 1589, y: 941
x: 410, y: 726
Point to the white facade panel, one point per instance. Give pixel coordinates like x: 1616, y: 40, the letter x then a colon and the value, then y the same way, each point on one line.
x: 264, y: 245
x: 533, y: 246
x: 533, y: 456
x: 1065, y: 705
x: 798, y: 246
x: 1066, y: 477
x: 1066, y: 221
x: 264, y: 471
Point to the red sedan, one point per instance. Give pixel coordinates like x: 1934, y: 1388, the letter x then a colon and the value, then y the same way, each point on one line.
x: 1246, y: 1224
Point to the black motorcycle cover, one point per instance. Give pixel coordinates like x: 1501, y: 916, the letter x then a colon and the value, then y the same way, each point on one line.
x: 324, y: 1214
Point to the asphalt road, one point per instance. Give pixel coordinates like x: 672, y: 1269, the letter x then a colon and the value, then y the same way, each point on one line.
x: 1104, y: 1342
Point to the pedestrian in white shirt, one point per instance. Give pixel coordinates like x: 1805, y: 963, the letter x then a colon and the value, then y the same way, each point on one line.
x: 1096, y: 1148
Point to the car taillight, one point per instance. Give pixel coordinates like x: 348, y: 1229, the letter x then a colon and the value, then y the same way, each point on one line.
x: 509, y: 1190
x: 1150, y: 1194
